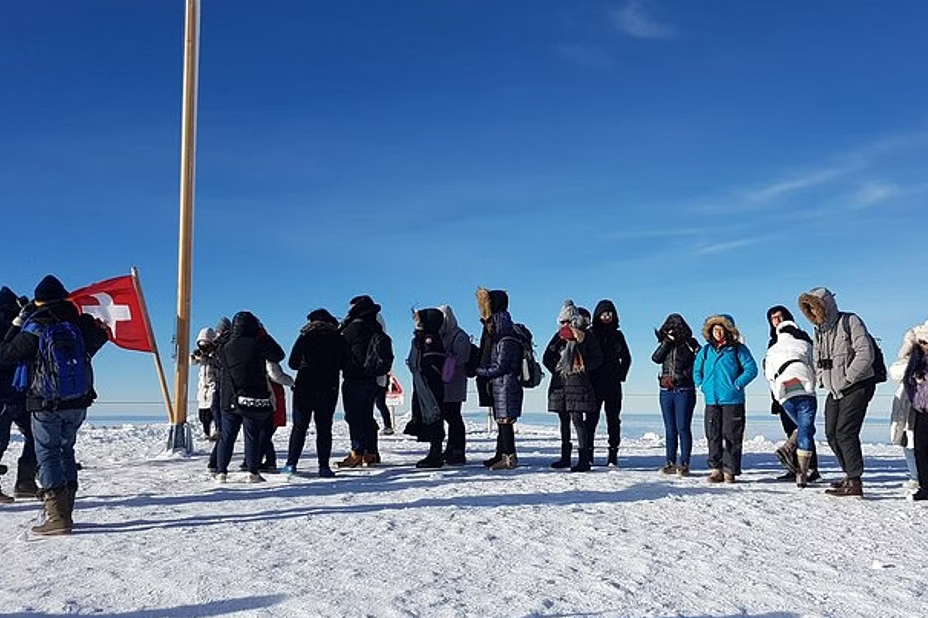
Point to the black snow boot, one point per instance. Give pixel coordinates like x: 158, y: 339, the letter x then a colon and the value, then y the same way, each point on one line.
x: 434, y: 459
x: 584, y: 462
x: 25, y: 486
x: 495, y: 459
x: 564, y: 461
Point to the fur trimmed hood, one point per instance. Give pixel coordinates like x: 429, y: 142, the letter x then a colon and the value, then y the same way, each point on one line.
x: 912, y: 336
x: 725, y: 321
x: 206, y: 335
x: 491, y: 301
x: 819, y: 307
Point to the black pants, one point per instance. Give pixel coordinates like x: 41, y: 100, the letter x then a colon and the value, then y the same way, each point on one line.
x: 843, y: 420
x: 725, y: 434
x: 318, y: 405
x: 358, y: 397
x: 451, y: 411
x: 206, y: 419
x: 583, y: 424
x: 613, y: 410
x: 505, y: 439
x: 921, y: 448
x: 381, y: 404
x: 269, y: 453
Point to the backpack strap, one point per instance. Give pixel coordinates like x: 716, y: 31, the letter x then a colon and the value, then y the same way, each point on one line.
x: 784, y: 366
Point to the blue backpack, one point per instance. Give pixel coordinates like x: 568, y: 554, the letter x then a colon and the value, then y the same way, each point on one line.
x: 62, y: 372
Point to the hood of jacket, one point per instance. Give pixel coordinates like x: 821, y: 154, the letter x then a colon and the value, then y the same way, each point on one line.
x: 491, y: 301
x: 245, y: 324
x: 450, y: 321
x: 602, y: 307
x: 819, y: 307
x: 726, y: 322
x: 429, y: 320
x: 917, y: 333
x: 792, y: 330
x: 676, y: 324
x: 206, y: 335
x: 501, y: 324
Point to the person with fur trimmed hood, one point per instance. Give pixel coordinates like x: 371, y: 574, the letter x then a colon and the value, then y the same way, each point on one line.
x: 426, y: 360
x: 676, y: 352
x: 787, y: 452
x: 722, y: 369
x: 207, y: 378
x: 570, y: 356
x: 457, y: 343
x: 909, y: 426
x: 609, y: 376
x: 499, y: 369
x: 843, y: 359
x: 317, y: 356
x: 788, y: 368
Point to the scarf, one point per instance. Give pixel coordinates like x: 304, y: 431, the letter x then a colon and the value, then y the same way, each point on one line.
x: 571, y: 361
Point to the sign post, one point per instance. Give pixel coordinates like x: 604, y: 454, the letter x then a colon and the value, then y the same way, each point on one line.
x: 394, y: 397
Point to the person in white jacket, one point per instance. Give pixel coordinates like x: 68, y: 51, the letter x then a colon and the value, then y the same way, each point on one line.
x: 789, y: 370
x: 904, y: 417
x: 208, y: 376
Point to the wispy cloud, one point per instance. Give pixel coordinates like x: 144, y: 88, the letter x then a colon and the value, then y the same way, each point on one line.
x: 634, y: 19
x: 722, y: 247
x: 812, y: 178
x: 585, y: 56
x: 873, y: 193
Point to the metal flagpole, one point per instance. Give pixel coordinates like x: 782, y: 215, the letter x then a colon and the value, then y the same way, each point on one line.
x: 178, y: 439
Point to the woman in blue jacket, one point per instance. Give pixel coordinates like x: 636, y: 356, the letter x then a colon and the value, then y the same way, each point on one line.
x: 723, y: 367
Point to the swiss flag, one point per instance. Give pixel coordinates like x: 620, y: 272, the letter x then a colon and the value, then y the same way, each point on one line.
x: 116, y: 303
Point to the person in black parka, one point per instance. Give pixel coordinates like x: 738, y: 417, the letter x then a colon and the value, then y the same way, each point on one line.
x: 244, y: 393
x: 609, y: 376
x: 570, y: 356
x: 425, y: 361
x: 318, y: 356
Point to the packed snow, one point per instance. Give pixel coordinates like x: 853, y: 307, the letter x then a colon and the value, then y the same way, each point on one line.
x: 157, y: 536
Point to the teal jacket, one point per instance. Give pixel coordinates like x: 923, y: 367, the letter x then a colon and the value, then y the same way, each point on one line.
x: 723, y: 373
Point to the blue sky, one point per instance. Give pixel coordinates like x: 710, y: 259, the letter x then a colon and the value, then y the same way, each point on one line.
x: 698, y: 157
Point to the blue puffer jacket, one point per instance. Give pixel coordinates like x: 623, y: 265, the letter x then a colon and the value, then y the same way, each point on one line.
x: 504, y: 368
x: 723, y: 372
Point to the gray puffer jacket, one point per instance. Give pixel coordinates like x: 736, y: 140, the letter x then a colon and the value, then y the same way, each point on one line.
x: 841, y: 362
x: 457, y: 342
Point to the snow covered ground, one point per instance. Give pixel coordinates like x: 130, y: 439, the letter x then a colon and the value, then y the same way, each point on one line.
x: 157, y: 537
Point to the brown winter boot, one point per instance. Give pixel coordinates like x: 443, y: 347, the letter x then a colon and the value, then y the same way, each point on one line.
x: 57, y: 520
x: 852, y: 489
x: 787, y: 453
x: 353, y: 460
x: 802, y: 477
x: 716, y: 476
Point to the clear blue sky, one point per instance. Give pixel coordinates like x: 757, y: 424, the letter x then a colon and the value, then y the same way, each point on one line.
x: 698, y: 157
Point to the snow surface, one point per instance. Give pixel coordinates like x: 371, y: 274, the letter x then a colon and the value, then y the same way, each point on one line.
x: 156, y: 536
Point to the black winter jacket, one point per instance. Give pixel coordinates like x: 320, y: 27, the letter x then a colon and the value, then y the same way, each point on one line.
x: 359, y: 326
x: 503, y: 368
x: 572, y: 393
x: 243, y: 363
x: 676, y: 355
x: 9, y: 309
x: 23, y: 347
x: 318, y: 354
x: 617, y: 359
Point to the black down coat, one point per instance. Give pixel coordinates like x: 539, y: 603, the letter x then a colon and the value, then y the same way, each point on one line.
x: 675, y: 353
x: 243, y: 362
x: 504, y: 368
x: 572, y: 392
x: 617, y: 360
x: 357, y: 328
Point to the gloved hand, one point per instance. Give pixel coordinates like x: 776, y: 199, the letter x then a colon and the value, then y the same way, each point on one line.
x: 24, y: 313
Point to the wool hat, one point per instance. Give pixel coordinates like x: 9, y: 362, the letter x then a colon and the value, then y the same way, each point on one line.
x: 223, y: 325
x: 322, y: 315
x: 49, y: 290
x: 568, y: 312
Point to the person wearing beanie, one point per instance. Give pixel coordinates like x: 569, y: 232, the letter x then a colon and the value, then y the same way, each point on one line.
x: 318, y: 356
x: 499, y: 371
x: 722, y: 369
x: 363, y: 334
x: 13, y: 410
x: 845, y: 365
x: 56, y: 416
x: 425, y: 361
x: 609, y: 376
x: 675, y: 353
x: 570, y: 356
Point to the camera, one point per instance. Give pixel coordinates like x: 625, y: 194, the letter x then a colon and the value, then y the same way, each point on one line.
x: 825, y: 363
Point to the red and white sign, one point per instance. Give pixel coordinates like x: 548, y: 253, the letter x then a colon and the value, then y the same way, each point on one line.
x: 116, y: 303
x: 394, y: 396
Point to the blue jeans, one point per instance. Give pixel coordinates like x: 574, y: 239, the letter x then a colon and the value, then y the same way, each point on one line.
x: 802, y: 412
x: 677, y: 407
x: 55, y: 434
x: 910, y: 465
x: 257, y: 431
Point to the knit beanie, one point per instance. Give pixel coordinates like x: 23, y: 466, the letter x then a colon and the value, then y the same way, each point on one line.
x: 50, y: 289
x: 568, y: 313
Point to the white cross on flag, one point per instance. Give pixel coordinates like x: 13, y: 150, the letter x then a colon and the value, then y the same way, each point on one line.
x: 115, y: 302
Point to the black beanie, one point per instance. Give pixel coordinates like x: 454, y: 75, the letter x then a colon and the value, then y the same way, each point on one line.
x: 49, y: 290
x: 322, y: 315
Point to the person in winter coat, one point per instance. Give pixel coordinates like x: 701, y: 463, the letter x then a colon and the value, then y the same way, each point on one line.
x: 609, y: 376
x: 675, y: 353
x: 359, y: 388
x: 457, y: 346
x: 722, y: 369
x: 570, y: 356
x: 13, y: 411
x: 278, y: 380
x: 383, y: 382
x: 55, y: 423
x: 909, y: 418
x: 843, y: 359
x: 787, y: 452
x: 207, y: 377
x: 426, y: 360
x: 789, y: 371
x: 245, y: 396
x: 318, y: 355
x: 500, y: 367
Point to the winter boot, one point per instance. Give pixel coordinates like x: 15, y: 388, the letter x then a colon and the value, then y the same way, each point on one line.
x: 70, y: 493
x: 564, y: 461
x: 804, y: 458
x: 56, y: 521
x: 5, y: 499
x: 434, y: 459
x: 353, y: 460
x: 25, y: 486
x: 853, y: 488
x: 716, y: 476
x: 584, y: 462
x: 839, y: 484
x: 492, y: 461
x: 506, y: 462
x: 455, y: 458
x: 787, y: 454
x: 613, y: 457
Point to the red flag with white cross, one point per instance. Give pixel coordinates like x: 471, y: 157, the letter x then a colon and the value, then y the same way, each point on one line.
x: 116, y: 303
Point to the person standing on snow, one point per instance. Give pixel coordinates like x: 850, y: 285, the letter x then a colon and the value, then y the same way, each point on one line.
x: 457, y: 344
x: 722, y: 369
x: 609, y: 376
x: 910, y: 406
x: 207, y: 378
x: 426, y: 360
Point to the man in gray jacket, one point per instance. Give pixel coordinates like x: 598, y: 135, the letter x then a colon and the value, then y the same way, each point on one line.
x: 843, y: 356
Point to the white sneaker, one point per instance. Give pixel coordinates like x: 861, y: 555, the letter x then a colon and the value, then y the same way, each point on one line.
x: 221, y: 477
x: 254, y: 478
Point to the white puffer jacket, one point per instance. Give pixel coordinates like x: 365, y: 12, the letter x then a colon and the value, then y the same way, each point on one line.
x: 797, y: 378
x: 902, y: 417
x: 208, y: 374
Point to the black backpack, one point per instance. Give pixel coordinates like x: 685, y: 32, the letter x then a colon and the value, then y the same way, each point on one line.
x: 531, y: 374
x: 378, y: 360
x: 880, y: 374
